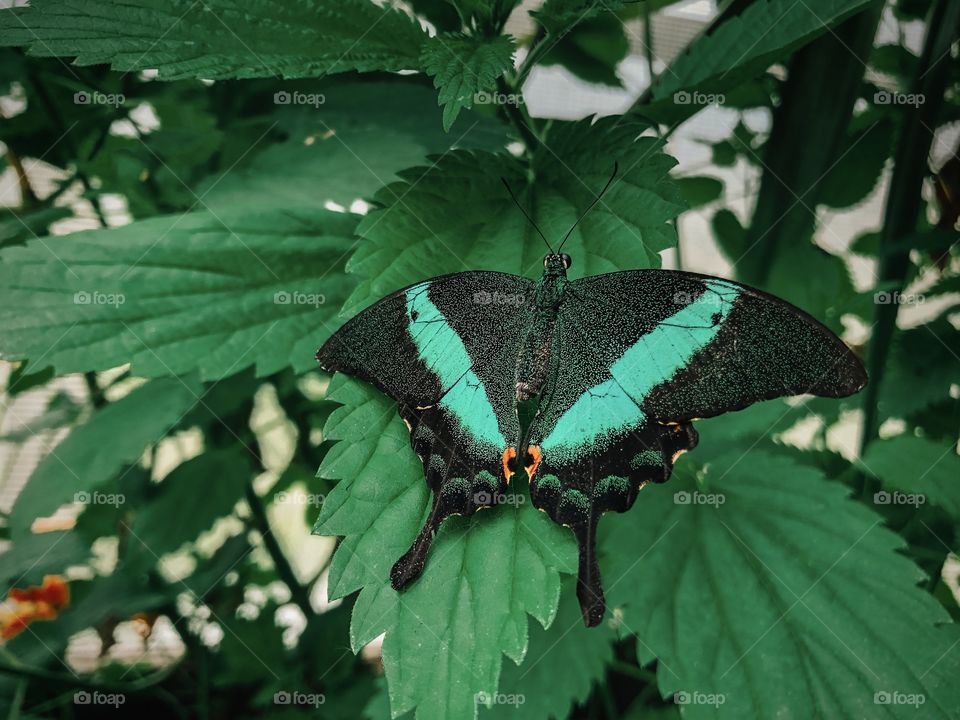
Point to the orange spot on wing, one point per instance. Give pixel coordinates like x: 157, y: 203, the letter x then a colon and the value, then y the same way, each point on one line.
x: 537, y: 456
x: 508, y: 455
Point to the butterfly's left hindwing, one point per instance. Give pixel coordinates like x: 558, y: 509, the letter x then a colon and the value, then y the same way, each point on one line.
x: 637, y: 356
x: 446, y: 350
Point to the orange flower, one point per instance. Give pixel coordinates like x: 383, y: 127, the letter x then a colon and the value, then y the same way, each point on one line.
x: 33, y: 603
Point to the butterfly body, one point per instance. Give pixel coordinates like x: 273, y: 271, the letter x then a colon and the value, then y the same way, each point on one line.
x: 589, y: 386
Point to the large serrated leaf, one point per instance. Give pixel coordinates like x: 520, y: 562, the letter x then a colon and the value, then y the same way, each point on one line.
x: 762, y: 574
x: 456, y: 215
x: 218, y: 39
x: 446, y: 634
x: 201, y: 291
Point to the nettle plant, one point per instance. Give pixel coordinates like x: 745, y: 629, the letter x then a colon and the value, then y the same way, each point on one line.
x: 264, y: 171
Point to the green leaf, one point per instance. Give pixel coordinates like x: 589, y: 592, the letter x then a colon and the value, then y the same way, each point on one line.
x: 744, y: 46
x: 562, y: 665
x: 204, y: 291
x: 463, y: 66
x: 449, y: 629
x: 34, y: 555
x: 762, y: 574
x: 699, y: 191
x: 916, y: 466
x: 217, y: 39
x: 456, y: 214
x: 592, y: 50
x: 18, y: 225
x: 210, y: 485
x: 855, y: 174
x: 922, y: 365
x: 347, y: 148
x: 79, y: 467
x: 558, y: 16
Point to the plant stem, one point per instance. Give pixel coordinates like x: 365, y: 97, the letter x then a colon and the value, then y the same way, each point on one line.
x: 298, y: 592
x: 904, y: 199
x: 518, y: 115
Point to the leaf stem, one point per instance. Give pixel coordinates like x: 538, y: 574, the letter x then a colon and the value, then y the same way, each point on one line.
x: 904, y: 198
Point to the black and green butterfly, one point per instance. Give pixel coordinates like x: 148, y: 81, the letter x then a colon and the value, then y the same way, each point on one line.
x: 590, y: 385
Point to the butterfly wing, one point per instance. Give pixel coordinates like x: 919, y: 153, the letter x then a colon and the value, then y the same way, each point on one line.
x: 638, y: 355
x: 446, y: 351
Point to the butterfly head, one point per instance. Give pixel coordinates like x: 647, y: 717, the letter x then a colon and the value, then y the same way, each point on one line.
x: 557, y: 263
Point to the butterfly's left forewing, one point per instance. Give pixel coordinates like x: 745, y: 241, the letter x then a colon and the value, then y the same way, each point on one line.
x: 639, y: 355
x: 446, y: 350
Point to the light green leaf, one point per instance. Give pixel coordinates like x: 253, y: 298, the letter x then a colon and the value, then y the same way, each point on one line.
x: 762, y: 574
x: 457, y: 215
x: 915, y: 466
x: 445, y: 635
x: 93, y: 453
x: 218, y: 39
x: 463, y: 66
x: 210, y: 485
x: 562, y: 665
x: 173, y: 294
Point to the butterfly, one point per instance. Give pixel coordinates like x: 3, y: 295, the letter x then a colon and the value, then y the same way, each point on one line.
x: 588, y: 386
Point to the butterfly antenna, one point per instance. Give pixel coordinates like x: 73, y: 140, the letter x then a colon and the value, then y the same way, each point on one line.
x: 616, y: 167
x: 525, y: 213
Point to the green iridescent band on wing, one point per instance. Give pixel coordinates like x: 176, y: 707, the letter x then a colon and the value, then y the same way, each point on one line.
x: 443, y: 353
x: 612, y: 407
